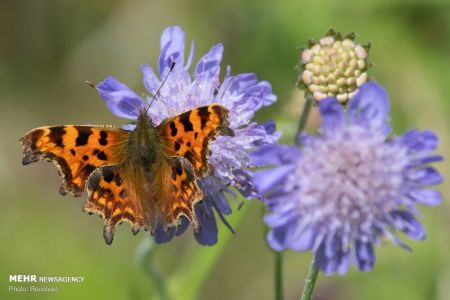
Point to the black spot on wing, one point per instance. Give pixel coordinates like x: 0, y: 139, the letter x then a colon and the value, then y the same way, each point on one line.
x: 59, y: 143
x: 203, y: 113
x: 218, y: 110
x: 94, y: 180
x: 103, y: 138
x: 184, y: 119
x: 56, y: 135
x: 35, y: 135
x: 88, y: 169
x: 177, y: 146
x: 178, y: 168
x: 173, y: 129
x: 102, y: 155
x: 189, y: 156
x: 83, y: 135
x: 108, y: 176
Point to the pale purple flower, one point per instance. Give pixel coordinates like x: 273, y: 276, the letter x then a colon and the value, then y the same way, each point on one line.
x: 242, y: 94
x: 343, y: 190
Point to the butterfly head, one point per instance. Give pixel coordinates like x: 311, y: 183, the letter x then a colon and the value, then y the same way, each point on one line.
x: 144, y: 120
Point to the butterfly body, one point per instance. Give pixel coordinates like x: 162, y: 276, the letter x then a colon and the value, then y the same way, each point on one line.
x: 144, y: 141
x: 144, y: 146
x: 148, y: 176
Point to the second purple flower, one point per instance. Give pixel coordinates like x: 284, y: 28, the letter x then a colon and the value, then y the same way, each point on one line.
x: 345, y: 189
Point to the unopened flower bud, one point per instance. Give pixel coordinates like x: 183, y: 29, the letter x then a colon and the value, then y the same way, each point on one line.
x: 336, y: 66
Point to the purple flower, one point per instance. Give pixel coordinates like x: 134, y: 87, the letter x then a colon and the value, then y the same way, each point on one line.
x: 347, y: 187
x: 242, y: 94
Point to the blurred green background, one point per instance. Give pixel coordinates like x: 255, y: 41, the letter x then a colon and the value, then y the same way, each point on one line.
x: 49, y: 48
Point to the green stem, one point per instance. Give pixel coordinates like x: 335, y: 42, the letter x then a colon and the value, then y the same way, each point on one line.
x: 158, y: 280
x: 279, y: 276
x: 313, y: 269
x: 279, y: 255
x: 199, y: 261
x: 145, y: 257
x: 304, y: 117
x: 310, y: 281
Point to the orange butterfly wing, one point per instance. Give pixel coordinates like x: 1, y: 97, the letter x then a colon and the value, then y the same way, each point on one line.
x: 120, y: 186
x: 113, y: 196
x: 126, y: 192
x: 189, y: 134
x: 181, y: 192
x: 76, y: 150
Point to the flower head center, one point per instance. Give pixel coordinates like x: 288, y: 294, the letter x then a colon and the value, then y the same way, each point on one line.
x: 357, y: 177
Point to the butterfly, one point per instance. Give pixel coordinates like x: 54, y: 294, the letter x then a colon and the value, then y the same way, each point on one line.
x: 147, y: 176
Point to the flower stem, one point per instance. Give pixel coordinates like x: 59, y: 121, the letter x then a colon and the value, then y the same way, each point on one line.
x: 199, y: 261
x: 310, y: 281
x: 279, y: 276
x: 304, y: 117
x: 278, y: 254
x: 145, y: 257
x: 313, y: 269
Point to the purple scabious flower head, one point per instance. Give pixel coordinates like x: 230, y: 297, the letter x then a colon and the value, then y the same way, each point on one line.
x: 242, y: 94
x: 343, y: 190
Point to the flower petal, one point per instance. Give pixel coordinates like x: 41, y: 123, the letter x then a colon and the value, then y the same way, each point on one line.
x: 337, y: 263
x: 172, y: 49
x: 274, y: 154
x: 208, y: 67
x: 206, y: 77
x: 207, y: 233
x: 365, y: 256
x: 276, y: 238
x: 150, y: 80
x: 244, y: 95
x: 163, y: 236
x: 184, y: 224
x: 304, y: 241
x: 333, y: 115
x: 425, y: 176
x: 190, y: 57
x: 119, y: 98
x: 265, y: 180
x: 128, y: 127
x: 406, y: 222
x: 213, y: 190
x: 427, y: 197
x: 419, y: 141
x: 369, y: 108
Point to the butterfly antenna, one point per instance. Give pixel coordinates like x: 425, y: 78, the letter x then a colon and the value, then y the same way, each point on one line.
x: 162, y: 84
